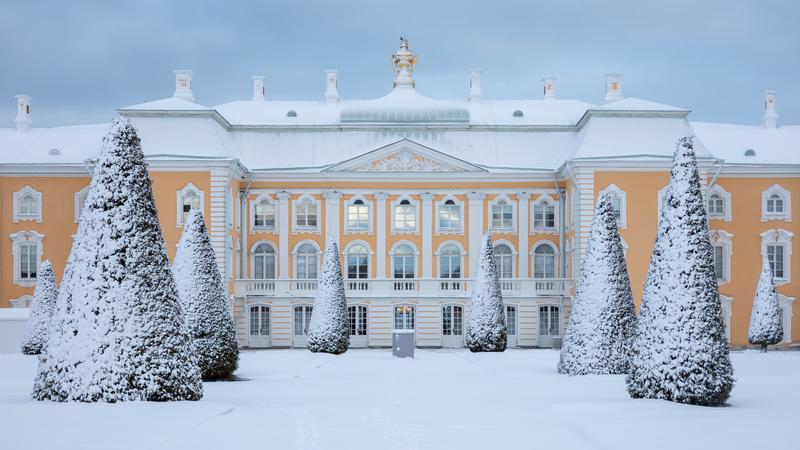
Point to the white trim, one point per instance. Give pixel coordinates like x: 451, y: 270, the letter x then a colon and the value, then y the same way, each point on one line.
x: 785, y: 195
x: 727, y: 312
x: 438, y: 254
x: 24, y: 301
x: 544, y: 198
x: 370, y: 215
x: 22, y: 237
x: 80, y: 202
x: 460, y: 205
x: 613, y: 189
x: 727, y: 204
x: 346, y: 253
x: 624, y: 247
x: 415, y: 204
x: 264, y: 197
x: 723, y: 239
x: 16, y: 201
x: 514, y: 255
x: 660, y: 200
x: 781, y: 237
x: 786, y: 308
x: 306, y: 198
x: 556, y: 254
x: 502, y: 230
x: 252, y: 254
x: 294, y: 256
x: 179, y: 198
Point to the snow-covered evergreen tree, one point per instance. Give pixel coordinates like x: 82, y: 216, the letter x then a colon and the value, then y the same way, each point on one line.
x: 44, y: 301
x: 206, y: 311
x: 603, y: 319
x: 766, y: 320
x: 486, y: 327
x: 680, y: 350
x: 117, y: 332
x: 329, y: 328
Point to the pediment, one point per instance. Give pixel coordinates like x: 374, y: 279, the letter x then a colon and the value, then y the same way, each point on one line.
x: 404, y: 156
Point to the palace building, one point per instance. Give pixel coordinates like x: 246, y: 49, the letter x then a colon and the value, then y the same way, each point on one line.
x: 407, y: 184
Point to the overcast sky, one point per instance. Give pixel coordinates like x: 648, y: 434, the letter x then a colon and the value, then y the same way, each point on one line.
x: 81, y: 60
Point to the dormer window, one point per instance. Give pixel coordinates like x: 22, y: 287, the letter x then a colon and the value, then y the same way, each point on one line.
x: 518, y: 113
x: 749, y: 152
x: 291, y: 113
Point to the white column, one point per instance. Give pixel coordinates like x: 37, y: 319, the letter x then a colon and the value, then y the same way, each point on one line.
x: 475, y: 228
x: 523, y: 226
x: 380, y: 235
x: 332, y: 216
x: 427, y: 235
x: 283, y: 234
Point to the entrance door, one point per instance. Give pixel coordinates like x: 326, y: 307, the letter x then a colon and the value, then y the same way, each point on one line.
x: 403, y: 317
x: 302, y: 317
x: 358, y: 325
x: 549, y: 325
x: 452, y: 326
x: 259, y: 326
x: 511, y: 325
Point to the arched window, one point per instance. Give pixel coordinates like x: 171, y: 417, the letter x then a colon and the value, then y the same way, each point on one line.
x: 189, y: 198
x: 618, y: 199
x: 776, y: 247
x: 405, y: 216
x: 27, y: 204
x: 306, y: 262
x: 449, y: 217
x: 544, y: 261
x: 404, y: 259
x: 80, y: 202
x: 358, y: 215
x: 450, y: 261
x: 504, y: 260
x: 775, y: 204
x: 264, y: 215
x: 716, y: 206
x: 27, y: 251
x: 264, y: 262
x: 357, y: 266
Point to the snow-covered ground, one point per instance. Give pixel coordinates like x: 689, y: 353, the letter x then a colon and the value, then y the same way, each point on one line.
x: 364, y: 399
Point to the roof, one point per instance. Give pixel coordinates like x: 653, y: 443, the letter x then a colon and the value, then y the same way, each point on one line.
x: 730, y: 142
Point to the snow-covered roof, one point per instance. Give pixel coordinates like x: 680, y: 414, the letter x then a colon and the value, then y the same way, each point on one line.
x: 732, y: 142
x: 167, y: 104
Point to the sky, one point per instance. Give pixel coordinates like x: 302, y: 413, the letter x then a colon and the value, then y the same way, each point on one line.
x: 81, y: 60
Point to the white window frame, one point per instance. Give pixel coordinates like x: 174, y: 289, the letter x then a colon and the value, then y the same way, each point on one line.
x: 393, y: 253
x: 461, y: 252
x: 544, y: 198
x: 725, y: 196
x: 785, y: 195
x: 346, y: 254
x: 264, y: 229
x: 413, y: 203
x: 660, y: 200
x: 721, y: 238
x: 24, y: 301
x: 80, y: 199
x: 727, y: 313
x: 370, y: 215
x: 306, y: 198
x: 295, y: 253
x: 552, y: 245
x: 786, y: 308
x: 17, y: 205
x: 779, y: 237
x: 514, y: 256
x: 505, y: 230
x: 179, y: 197
x: 253, y: 258
x: 613, y: 189
x: 17, y: 240
x: 366, y: 318
x: 460, y: 204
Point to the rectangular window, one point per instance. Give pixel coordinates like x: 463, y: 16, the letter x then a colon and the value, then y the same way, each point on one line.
x: 265, y: 216
x: 450, y: 217
x: 544, y: 216
x: 29, y: 254
x: 719, y: 272
x: 405, y: 217
x: 358, y: 217
x: 306, y: 215
x: 775, y: 256
x: 503, y: 216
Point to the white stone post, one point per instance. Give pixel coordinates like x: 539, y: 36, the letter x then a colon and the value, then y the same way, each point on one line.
x: 475, y: 228
x: 380, y: 235
x: 332, y: 201
x: 523, y: 226
x: 283, y: 235
x: 427, y: 235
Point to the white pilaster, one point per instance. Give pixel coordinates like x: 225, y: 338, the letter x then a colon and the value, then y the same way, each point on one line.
x: 283, y: 235
x: 332, y: 201
x: 523, y: 217
x: 427, y: 235
x: 475, y: 228
x: 380, y: 235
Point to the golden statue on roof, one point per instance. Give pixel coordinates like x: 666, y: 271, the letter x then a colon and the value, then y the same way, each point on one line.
x: 404, y: 63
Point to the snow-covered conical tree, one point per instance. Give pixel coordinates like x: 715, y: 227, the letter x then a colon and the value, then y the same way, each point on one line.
x: 206, y: 311
x: 44, y: 301
x: 117, y: 332
x: 766, y: 320
x: 680, y: 352
x: 603, y: 319
x: 329, y: 328
x: 486, y: 327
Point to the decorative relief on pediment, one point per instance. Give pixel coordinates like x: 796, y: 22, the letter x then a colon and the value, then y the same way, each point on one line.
x: 404, y: 161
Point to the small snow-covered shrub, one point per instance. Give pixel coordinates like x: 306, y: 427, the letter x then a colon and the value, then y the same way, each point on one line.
x: 329, y: 328
x: 766, y: 320
x: 206, y: 310
x: 117, y: 332
x: 603, y: 319
x: 486, y: 327
x: 680, y: 352
x: 44, y: 301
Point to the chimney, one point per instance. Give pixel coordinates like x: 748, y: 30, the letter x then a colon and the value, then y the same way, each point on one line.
x: 549, y: 87
x: 613, y: 87
x: 183, y: 84
x: 258, y: 88
x: 23, y: 119
x: 331, y: 86
x: 475, y: 92
x: 770, y: 117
